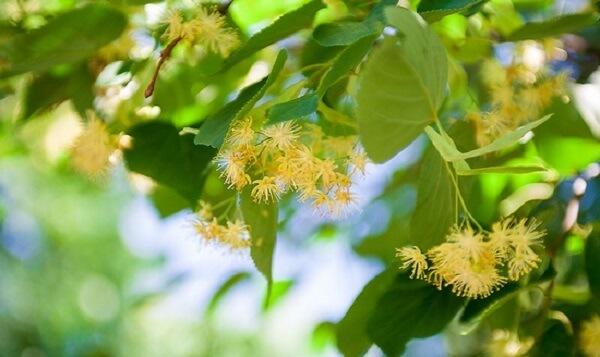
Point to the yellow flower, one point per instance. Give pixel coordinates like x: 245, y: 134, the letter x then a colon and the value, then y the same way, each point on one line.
x: 232, y: 166
x: 466, y: 263
x: 513, y: 241
x: 209, y: 29
x: 180, y: 30
x: 342, y: 204
x: 359, y: 160
x: 325, y: 170
x: 266, y: 189
x: 205, y: 212
x: 213, y: 32
x: 415, y: 260
x: 502, y: 95
x: 525, y: 235
x: 211, y: 231
x: 281, y: 136
x: 236, y: 235
x: 340, y: 145
x: 92, y: 149
x: 589, y: 338
x: 241, y: 133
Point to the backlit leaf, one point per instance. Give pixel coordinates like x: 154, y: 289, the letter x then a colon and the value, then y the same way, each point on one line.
x: 401, y: 87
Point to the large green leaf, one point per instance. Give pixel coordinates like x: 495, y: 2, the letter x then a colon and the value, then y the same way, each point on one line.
x: 401, y: 87
x: 262, y: 223
x: 69, y: 37
x: 215, y: 127
x: 346, y: 33
x: 351, y: 332
x: 592, y: 257
x: 283, y: 27
x: 347, y: 60
x: 343, y: 33
x: 436, y: 203
x: 225, y: 288
x: 553, y: 27
x: 434, y: 10
x: 556, y: 341
x: 49, y: 89
x: 158, y: 151
x: 410, y: 309
x: 295, y: 108
x: 477, y: 310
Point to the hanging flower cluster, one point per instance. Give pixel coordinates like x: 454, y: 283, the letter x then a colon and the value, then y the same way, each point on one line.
x: 475, y: 264
x: 518, y: 96
x: 287, y: 157
x: 234, y: 235
x: 92, y: 149
x: 208, y: 28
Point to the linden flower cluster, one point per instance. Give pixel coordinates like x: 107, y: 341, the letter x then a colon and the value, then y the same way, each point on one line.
x: 287, y: 157
x: 234, y: 235
x: 208, y: 29
x: 517, y: 97
x: 589, y: 338
x: 475, y: 264
x: 92, y: 149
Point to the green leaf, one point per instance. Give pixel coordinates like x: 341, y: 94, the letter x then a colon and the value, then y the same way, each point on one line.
x: 67, y: 38
x: 436, y: 203
x: 283, y: 27
x: 592, y: 257
x: 262, y: 223
x: 401, y: 87
x: 556, y: 341
x: 443, y: 144
x: 351, y: 332
x: 278, y: 292
x: 410, y: 309
x: 295, y: 108
x: 553, y: 27
x: 501, y: 170
x: 343, y: 33
x: 477, y: 310
x: 505, y: 140
x: 49, y: 89
x: 226, y: 287
x: 347, y: 60
x: 435, y: 10
x: 448, y: 149
x: 159, y: 152
x: 213, y: 131
x: 347, y: 33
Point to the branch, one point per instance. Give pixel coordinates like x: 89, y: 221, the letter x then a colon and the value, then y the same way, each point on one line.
x: 164, y: 55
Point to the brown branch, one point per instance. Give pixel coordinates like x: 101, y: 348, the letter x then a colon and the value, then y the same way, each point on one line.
x: 164, y: 56
x: 166, y: 53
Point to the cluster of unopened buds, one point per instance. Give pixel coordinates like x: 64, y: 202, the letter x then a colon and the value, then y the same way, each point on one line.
x: 473, y: 263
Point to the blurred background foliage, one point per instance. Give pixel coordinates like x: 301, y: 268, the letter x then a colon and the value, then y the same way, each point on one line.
x: 110, y: 266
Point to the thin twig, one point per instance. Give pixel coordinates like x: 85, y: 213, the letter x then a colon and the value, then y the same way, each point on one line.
x: 164, y: 55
